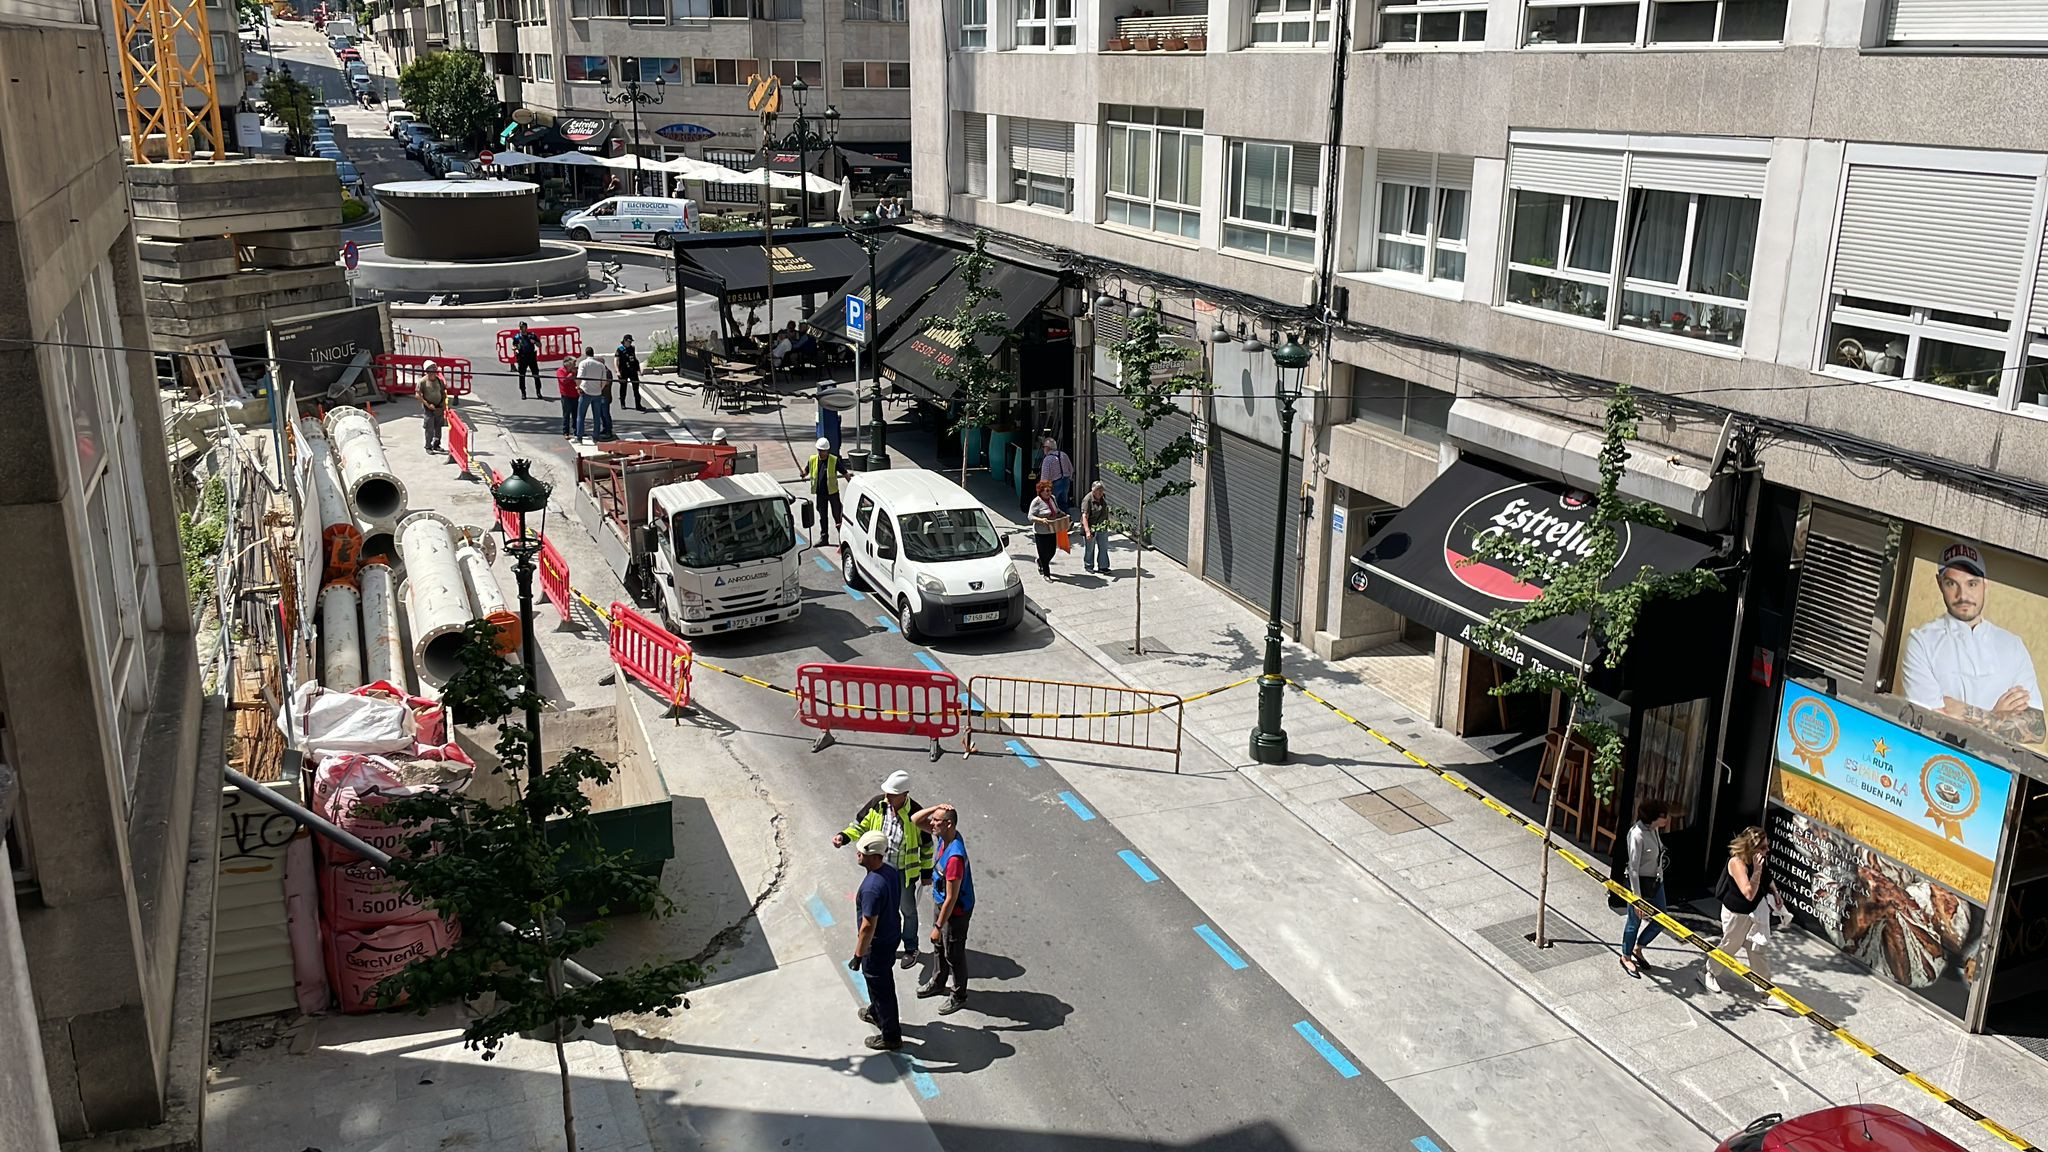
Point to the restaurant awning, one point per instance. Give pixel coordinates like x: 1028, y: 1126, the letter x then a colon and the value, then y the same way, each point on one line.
x: 1418, y: 566
x: 867, y: 163
x: 735, y: 266
x: 906, y: 269
x: 787, y: 161
x: 913, y: 354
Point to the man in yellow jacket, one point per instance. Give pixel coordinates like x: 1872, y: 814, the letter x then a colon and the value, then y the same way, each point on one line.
x: 822, y: 470
x: 909, y: 849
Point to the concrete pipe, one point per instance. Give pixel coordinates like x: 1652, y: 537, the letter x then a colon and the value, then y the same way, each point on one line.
x: 341, y: 639
x: 437, y: 603
x: 374, y: 491
x: 383, y: 649
x: 341, y: 538
x: 488, y: 598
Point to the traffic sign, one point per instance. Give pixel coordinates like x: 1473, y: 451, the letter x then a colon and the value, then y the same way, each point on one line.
x: 350, y: 257
x: 856, y: 318
x: 486, y: 157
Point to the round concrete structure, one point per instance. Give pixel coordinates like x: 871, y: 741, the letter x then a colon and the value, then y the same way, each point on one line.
x: 460, y: 219
x: 556, y: 267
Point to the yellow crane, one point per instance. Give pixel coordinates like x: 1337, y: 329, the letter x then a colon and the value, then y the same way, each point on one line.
x: 167, y: 58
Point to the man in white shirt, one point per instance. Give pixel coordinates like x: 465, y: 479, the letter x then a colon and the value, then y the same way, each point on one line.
x: 593, y: 379
x: 1968, y: 668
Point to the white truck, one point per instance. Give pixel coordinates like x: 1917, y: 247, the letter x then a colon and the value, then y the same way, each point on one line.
x: 711, y: 544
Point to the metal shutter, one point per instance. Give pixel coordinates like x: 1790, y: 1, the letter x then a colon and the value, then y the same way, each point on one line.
x: 1167, y: 518
x: 1414, y: 168
x: 1946, y: 239
x: 1042, y: 147
x: 1840, y: 611
x: 1706, y: 175
x: 1304, y: 172
x: 1566, y: 171
x: 974, y: 129
x: 1454, y: 172
x: 1969, y: 21
x: 1237, y: 552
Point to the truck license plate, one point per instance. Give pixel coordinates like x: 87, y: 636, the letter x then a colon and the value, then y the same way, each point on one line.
x: 979, y: 617
x: 749, y: 622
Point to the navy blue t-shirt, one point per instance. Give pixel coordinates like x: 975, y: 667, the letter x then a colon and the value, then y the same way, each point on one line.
x: 881, y: 896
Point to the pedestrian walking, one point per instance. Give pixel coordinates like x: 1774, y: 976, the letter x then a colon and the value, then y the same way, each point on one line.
x: 433, y: 393
x: 570, y: 395
x: 1646, y: 863
x: 909, y: 849
x: 1057, y: 468
x: 525, y: 359
x: 593, y: 381
x: 1747, y: 903
x: 953, y: 902
x: 877, y: 906
x: 822, y: 470
x: 1046, y: 521
x: 1095, y: 529
x: 626, y: 360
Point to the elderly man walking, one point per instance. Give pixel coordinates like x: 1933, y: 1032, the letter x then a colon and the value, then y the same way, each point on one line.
x: 909, y: 850
x: 874, y: 938
x: 593, y: 381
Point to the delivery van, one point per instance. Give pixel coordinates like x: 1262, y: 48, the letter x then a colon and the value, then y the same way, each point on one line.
x: 633, y: 218
x: 928, y: 550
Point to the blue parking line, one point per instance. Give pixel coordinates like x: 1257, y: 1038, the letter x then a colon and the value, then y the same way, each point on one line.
x: 1326, y: 1050
x: 974, y: 705
x: 819, y: 559
x: 1022, y: 753
x: 1074, y: 802
x: 1425, y: 1144
x: 819, y: 912
x: 860, y: 987
x: 1139, y: 866
x: 920, y: 1079
x: 925, y: 658
x: 888, y: 623
x: 1228, y: 953
x: 853, y: 592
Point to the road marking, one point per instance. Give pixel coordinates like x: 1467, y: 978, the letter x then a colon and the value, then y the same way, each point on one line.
x: 821, y: 562
x: 1074, y: 802
x: 1139, y: 866
x: 819, y: 912
x: 851, y: 591
x: 1326, y: 1050
x: 919, y: 1078
x: 587, y: 315
x: 886, y: 622
x: 925, y: 658
x: 1425, y: 1144
x: 1228, y: 953
x: 1022, y: 753
x: 488, y: 320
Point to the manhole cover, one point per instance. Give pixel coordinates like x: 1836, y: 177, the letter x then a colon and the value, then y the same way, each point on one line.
x: 1567, y: 943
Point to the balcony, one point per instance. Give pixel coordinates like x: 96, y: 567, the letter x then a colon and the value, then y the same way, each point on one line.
x: 501, y: 36
x: 508, y: 87
x: 1145, y: 32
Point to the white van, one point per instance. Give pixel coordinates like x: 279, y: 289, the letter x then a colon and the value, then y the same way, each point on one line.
x: 632, y: 218
x: 929, y: 549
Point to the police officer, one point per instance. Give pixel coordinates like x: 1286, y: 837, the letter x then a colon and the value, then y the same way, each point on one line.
x: 525, y: 359
x: 822, y: 470
x: 626, y: 362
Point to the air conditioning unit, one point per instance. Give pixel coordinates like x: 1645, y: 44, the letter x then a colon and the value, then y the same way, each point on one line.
x: 1308, y: 291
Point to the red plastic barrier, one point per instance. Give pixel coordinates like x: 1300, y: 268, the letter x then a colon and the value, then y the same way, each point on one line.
x: 458, y: 440
x: 651, y: 654
x: 858, y: 698
x: 556, y: 343
x: 396, y: 374
x: 554, y: 577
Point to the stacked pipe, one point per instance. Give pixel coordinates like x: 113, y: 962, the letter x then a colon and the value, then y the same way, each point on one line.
x: 375, y: 494
x: 488, y: 598
x: 341, y: 650
x: 384, y: 655
x: 437, y: 600
x: 338, y: 529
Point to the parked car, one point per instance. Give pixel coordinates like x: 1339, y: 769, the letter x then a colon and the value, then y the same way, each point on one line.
x: 322, y: 116
x: 457, y: 168
x: 633, y: 218
x: 349, y: 54
x: 350, y: 176
x: 930, y: 552
x: 419, y: 138
x: 1849, y: 1128
x: 398, y: 118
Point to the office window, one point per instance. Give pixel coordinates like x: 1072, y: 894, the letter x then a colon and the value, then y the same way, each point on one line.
x: 779, y: 10
x: 639, y: 11
x: 1153, y: 172
x: 1424, y: 200
x: 1639, y: 22
x: 1045, y: 23
x: 1400, y: 406
x: 1560, y: 252
x: 974, y: 133
x: 1432, y: 22
x: 544, y: 67
x: 787, y: 71
x: 667, y: 69
x: 974, y: 23
x: 722, y: 71
x: 1968, y: 23
x: 1271, y: 207
x: 1605, y: 22
x: 587, y: 69
x: 874, y: 74
x: 895, y: 11
x: 1042, y: 163
x: 1290, y: 23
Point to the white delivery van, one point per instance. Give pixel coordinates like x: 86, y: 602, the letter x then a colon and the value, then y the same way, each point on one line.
x: 725, y: 554
x: 929, y: 549
x: 633, y: 218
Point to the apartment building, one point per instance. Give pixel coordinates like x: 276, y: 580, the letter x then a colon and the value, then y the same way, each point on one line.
x: 1808, y: 232
x: 232, y: 76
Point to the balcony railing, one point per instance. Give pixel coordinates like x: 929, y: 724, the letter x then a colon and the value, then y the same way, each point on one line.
x: 1160, y: 34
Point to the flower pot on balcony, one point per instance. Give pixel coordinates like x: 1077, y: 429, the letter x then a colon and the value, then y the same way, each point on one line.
x: 1176, y: 44
x: 1198, y: 42
x: 1147, y: 44
x: 1120, y: 44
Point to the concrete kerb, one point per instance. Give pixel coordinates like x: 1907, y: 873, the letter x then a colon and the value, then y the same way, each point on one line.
x: 562, y: 307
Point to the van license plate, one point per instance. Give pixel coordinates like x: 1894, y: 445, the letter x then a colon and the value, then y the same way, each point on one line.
x: 980, y: 617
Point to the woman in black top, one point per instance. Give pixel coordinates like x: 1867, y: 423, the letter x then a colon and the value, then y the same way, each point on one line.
x: 1747, y: 901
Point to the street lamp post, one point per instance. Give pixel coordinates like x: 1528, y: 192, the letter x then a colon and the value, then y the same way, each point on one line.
x: 1269, y: 739
x: 805, y: 139
x: 871, y: 233
x: 523, y: 495
x: 634, y: 94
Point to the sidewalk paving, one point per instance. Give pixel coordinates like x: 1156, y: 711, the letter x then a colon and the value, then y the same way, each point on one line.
x: 1722, y: 1060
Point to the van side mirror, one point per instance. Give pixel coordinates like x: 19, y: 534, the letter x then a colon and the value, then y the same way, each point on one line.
x: 806, y: 514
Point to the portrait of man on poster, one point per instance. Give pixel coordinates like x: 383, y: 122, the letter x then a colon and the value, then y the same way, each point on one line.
x: 1967, y: 668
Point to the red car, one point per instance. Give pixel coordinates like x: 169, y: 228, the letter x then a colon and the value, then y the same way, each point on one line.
x: 1849, y: 1128
x: 350, y: 54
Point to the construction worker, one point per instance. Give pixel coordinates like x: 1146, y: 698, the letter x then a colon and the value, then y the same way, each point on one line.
x: 822, y: 470
x: 433, y: 394
x: 909, y: 848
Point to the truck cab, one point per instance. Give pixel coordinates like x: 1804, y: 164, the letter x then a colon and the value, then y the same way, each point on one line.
x: 725, y: 554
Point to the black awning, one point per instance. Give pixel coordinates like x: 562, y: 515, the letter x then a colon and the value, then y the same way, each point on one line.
x: 1415, y: 566
x: 914, y: 354
x: 786, y: 161
x: 735, y: 266
x: 906, y: 269
x: 867, y: 163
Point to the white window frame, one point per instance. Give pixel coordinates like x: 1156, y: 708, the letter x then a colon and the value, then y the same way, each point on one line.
x: 974, y: 23
x: 2033, y: 36
x: 879, y: 11
x: 1561, y: 270
x: 1157, y: 137
x: 1319, y: 16
x: 1233, y: 193
x: 1464, y: 10
x: 1431, y: 240
x: 1679, y: 290
x: 974, y: 177
x: 1919, y: 326
x: 1646, y: 18
x: 1026, y: 183
x: 544, y: 66
x: 1041, y: 19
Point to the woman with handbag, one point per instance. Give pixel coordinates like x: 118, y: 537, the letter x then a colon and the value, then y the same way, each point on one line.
x: 1747, y: 903
x: 1047, y: 521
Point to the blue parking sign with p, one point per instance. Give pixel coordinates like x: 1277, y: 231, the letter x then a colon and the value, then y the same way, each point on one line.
x: 856, y: 317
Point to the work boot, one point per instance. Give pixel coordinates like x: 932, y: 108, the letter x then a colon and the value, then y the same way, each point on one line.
x: 867, y: 1014
x: 953, y: 1004
x: 927, y: 991
x: 882, y: 1044
x: 909, y: 960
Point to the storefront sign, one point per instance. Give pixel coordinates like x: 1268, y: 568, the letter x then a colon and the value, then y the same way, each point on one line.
x: 314, y: 352
x: 578, y: 129
x: 1558, y: 524
x: 684, y: 133
x: 1973, y: 618
x: 1336, y: 521
x: 1912, y: 798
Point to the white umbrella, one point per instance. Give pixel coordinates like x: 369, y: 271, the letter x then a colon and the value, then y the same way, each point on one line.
x: 574, y: 158
x: 515, y: 159
x: 846, y: 200
x: 786, y: 180
x: 704, y: 170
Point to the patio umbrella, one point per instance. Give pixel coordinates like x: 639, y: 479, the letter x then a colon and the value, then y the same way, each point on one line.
x: 846, y: 200
x: 515, y: 159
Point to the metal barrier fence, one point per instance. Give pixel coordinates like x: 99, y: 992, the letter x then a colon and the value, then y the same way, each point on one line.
x: 411, y: 343
x: 397, y: 375
x: 1109, y: 715
x: 458, y: 440
x: 651, y: 654
x: 898, y: 701
x: 554, y: 577
x: 557, y: 342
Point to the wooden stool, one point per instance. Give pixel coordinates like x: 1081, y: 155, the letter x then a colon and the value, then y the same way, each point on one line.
x: 1575, y: 802
x: 1546, y: 771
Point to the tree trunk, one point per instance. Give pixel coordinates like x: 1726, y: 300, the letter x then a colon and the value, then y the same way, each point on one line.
x: 1138, y: 582
x: 1550, y: 809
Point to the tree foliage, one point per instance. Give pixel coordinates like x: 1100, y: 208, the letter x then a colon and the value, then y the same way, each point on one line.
x: 976, y: 373
x: 291, y: 102
x: 451, y: 92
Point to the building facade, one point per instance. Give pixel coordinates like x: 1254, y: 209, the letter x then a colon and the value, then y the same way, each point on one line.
x: 103, y: 1017
x: 1810, y: 233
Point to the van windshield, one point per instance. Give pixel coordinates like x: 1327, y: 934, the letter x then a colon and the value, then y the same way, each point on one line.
x: 952, y: 534
x: 733, y: 533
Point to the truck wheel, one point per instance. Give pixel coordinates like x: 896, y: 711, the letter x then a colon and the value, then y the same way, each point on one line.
x: 849, y: 569
x: 662, y: 241
x: 580, y: 235
x: 911, y: 631
x: 669, y: 622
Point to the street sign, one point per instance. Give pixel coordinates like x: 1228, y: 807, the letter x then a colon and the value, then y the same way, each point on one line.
x: 856, y: 318
x: 350, y: 256
x: 486, y: 157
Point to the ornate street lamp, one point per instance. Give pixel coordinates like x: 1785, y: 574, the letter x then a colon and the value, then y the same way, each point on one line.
x: 871, y: 232
x: 1269, y: 739
x: 806, y: 140
x: 523, y: 495
x: 636, y: 95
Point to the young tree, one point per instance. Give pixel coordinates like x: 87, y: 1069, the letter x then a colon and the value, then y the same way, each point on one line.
x: 452, y: 94
x: 979, y: 383
x: 529, y: 864
x: 417, y: 81
x: 291, y: 102
x: 1589, y: 587
x: 1149, y: 378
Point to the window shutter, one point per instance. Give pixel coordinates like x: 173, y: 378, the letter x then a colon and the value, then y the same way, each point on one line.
x: 974, y: 127
x: 1412, y: 168
x: 1304, y: 176
x: 1947, y: 239
x: 1454, y: 172
x: 1041, y: 147
x: 1566, y: 171
x: 1969, y: 21
x: 1841, y: 593
x: 1706, y: 175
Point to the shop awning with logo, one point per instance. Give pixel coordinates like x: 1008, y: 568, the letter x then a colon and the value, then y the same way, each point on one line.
x: 1418, y: 566
x: 865, y: 163
x: 915, y: 352
x: 735, y: 266
x: 906, y: 270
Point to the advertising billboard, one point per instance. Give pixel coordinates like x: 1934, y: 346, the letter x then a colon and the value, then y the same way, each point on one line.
x: 1973, y: 618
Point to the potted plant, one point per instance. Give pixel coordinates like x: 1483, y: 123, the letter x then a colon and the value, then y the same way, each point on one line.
x: 1198, y: 41
x: 1119, y: 44
x: 1147, y: 44
x: 1176, y: 43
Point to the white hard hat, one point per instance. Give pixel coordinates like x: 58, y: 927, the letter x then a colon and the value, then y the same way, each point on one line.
x: 824, y: 445
x: 430, y: 364
x: 897, y: 784
x: 718, y: 433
